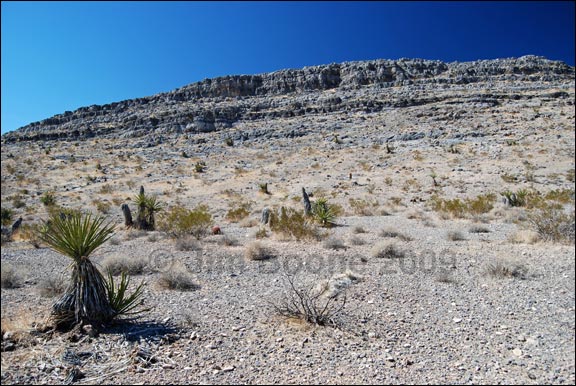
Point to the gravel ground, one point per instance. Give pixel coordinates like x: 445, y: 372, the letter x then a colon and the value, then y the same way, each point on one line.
x: 432, y: 316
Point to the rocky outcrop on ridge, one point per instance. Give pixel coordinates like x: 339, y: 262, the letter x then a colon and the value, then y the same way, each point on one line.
x: 366, y: 86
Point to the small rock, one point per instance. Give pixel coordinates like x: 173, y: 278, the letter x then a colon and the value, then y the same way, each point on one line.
x: 228, y: 368
x: 89, y: 330
x: 457, y: 320
x: 517, y: 352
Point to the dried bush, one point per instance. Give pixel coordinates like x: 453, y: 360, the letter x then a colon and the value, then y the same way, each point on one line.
x: 11, y: 277
x: 188, y: 243
x: 118, y: 264
x: 177, y: 277
x: 386, y: 250
x: 553, y: 224
x: 389, y: 232
x: 455, y: 236
x: 52, y: 286
x: 478, y: 229
x: 505, y: 268
x: 257, y: 251
x: 334, y: 243
x: 317, y: 304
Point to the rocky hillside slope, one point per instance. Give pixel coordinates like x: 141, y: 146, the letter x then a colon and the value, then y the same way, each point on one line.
x: 350, y: 87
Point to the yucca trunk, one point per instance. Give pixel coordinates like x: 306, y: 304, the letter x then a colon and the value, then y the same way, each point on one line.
x: 85, y: 300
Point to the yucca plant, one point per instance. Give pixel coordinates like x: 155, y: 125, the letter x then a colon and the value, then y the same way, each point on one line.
x: 121, y: 303
x: 148, y: 206
x: 86, y: 299
x: 323, y: 212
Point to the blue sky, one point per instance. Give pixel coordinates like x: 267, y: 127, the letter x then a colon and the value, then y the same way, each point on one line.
x: 59, y: 56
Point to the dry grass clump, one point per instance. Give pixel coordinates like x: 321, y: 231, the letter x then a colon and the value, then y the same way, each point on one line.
x: 386, y: 250
x: 524, y: 236
x: 238, y: 213
x: 506, y: 268
x: 227, y: 241
x: 334, y: 243
x: 257, y: 251
x: 132, y: 234
x: 455, y: 236
x: 177, y: 277
x: 52, y: 286
x: 392, y: 233
x: 358, y: 229
x: 478, y: 229
x: 356, y: 240
x: 11, y: 276
x: 187, y: 243
x: 117, y: 264
x: 361, y: 207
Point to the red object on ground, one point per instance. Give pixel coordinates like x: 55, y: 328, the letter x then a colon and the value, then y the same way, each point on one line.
x: 216, y: 230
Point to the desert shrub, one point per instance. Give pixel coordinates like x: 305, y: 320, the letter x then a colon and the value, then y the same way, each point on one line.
x: 7, y: 216
x: 455, y: 236
x: 524, y: 236
x: 553, y: 224
x: 177, y: 277
x: 180, y: 221
x: 319, y: 304
x: 31, y: 233
x: 483, y: 203
x: 118, y: 264
x: 48, y: 199
x: 187, y: 243
x: 386, y: 250
x: 102, y: 206
x: 261, y: 233
x: 460, y: 209
x: 334, y: 243
x: 229, y: 141
x: 52, y: 286
x: 503, y: 268
x: 239, y: 212
x: 562, y: 196
x: 257, y: 251
x: 355, y: 240
x: 106, y: 189
x: 362, y: 207
x: 227, y: 241
x: 200, y: 167
x: 292, y: 223
x: 392, y: 233
x: 358, y: 229
x: 10, y: 276
x: 478, y: 229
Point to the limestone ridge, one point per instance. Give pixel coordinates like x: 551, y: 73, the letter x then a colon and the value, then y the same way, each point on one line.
x: 364, y: 86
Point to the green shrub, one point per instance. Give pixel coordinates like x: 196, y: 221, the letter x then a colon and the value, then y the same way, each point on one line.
x: 292, y: 223
x: 48, y: 199
x: 179, y: 221
x: 7, y: 216
x: 238, y: 213
x: 460, y: 209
